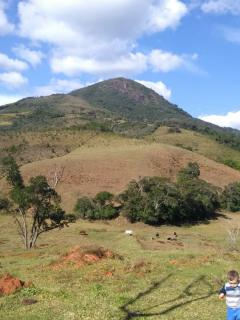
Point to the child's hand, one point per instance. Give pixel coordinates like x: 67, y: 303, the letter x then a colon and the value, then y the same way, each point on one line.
x: 221, y: 296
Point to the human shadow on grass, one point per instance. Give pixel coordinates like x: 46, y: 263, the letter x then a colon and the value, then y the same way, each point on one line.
x: 185, y: 294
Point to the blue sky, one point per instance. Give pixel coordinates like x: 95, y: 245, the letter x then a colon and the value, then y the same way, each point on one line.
x: 187, y: 51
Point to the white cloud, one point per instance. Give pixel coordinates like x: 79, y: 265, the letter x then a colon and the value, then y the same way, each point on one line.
x: 164, y: 61
x: 90, y: 25
x: 72, y: 65
x: 12, y: 79
x: 132, y: 63
x: 222, y: 6
x: 58, y: 86
x: 5, y: 26
x: 11, y: 64
x: 231, y: 34
x: 231, y: 119
x: 6, y: 99
x: 165, y: 14
x: 34, y: 57
x: 97, y: 37
x: 158, y: 87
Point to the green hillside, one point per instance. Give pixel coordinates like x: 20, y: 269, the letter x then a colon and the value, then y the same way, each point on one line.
x: 130, y: 100
x: 116, y: 105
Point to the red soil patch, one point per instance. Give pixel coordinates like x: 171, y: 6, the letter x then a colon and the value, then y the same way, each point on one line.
x: 81, y: 256
x: 9, y: 284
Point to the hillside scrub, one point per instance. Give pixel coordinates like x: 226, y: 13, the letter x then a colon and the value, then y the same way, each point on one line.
x: 35, y: 207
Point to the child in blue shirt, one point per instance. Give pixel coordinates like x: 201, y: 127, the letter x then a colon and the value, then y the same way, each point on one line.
x: 231, y: 291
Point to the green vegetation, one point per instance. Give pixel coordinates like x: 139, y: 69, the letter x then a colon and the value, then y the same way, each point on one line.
x: 36, y: 207
x: 157, y: 201
x: 155, y: 279
x: 4, y: 205
x: 230, y: 197
x: 99, y: 208
x: 117, y: 105
x: 198, y: 143
x: 130, y: 100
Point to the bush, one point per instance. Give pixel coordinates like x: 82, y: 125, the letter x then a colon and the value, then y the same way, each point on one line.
x: 98, y: 208
x: 155, y: 200
x: 4, y: 205
x: 103, y: 197
x: 230, y: 198
x: 85, y: 208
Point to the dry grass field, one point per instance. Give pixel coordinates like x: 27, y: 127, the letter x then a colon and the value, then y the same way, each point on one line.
x: 111, y: 166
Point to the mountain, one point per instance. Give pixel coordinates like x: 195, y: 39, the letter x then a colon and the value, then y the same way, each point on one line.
x: 119, y: 105
x: 94, y: 128
x: 130, y: 100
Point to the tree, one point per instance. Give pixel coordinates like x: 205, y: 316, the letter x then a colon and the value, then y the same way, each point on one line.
x: 191, y: 171
x: 230, y: 198
x: 98, y: 208
x: 156, y: 200
x: 152, y: 200
x: 11, y: 171
x: 4, y: 204
x: 36, y: 207
x: 199, y: 199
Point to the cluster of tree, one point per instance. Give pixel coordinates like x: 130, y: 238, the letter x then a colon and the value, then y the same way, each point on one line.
x: 35, y: 207
x: 99, y: 208
x: 153, y: 200
x: 156, y: 200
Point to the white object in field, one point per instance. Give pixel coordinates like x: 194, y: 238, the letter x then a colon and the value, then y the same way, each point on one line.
x: 129, y: 232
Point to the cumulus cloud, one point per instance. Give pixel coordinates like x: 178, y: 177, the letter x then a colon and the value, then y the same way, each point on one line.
x: 97, y: 37
x: 222, y: 6
x: 132, y: 63
x: 6, y: 99
x: 165, y: 14
x: 34, y: 57
x: 5, y: 26
x: 165, y: 61
x: 11, y: 64
x: 63, y: 22
x: 12, y: 79
x: 73, y: 65
x: 158, y: 87
x: 231, y: 119
x: 58, y: 86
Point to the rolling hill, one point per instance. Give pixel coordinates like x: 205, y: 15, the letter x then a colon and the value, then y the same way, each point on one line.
x: 89, y: 170
x: 112, y: 132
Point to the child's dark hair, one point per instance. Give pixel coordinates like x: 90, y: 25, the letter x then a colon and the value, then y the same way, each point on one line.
x: 232, y: 275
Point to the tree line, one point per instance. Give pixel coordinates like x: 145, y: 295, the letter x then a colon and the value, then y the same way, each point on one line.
x: 36, y: 206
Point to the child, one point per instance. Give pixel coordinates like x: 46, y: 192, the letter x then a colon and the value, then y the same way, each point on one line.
x: 231, y: 290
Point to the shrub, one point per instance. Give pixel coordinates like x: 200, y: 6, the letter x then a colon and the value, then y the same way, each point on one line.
x: 156, y: 200
x: 85, y: 208
x: 103, y: 197
x: 230, y: 198
x: 98, y: 208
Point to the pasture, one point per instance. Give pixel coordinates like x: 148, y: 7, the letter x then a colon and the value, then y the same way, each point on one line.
x: 149, y: 277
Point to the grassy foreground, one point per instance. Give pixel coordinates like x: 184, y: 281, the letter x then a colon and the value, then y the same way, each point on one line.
x: 153, y: 279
